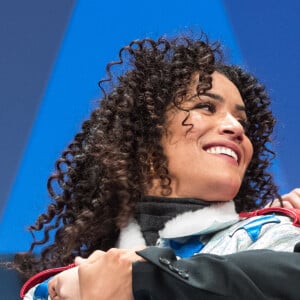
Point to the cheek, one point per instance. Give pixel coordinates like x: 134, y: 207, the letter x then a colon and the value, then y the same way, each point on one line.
x: 196, y: 119
x: 182, y: 133
x: 249, y: 151
x: 198, y: 124
x: 176, y: 132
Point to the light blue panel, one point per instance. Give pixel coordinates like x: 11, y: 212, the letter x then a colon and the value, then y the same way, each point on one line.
x: 96, y: 32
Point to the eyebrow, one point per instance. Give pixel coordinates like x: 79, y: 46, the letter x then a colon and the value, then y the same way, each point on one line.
x: 221, y: 99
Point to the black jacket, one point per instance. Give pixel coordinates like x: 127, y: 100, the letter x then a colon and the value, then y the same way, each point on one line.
x: 256, y: 274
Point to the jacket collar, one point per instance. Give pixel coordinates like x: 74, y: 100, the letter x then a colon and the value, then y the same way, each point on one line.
x: 203, y: 221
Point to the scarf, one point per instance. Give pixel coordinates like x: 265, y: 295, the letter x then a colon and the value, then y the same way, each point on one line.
x: 153, y: 212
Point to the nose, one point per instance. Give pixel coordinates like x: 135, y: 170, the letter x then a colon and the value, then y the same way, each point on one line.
x: 229, y: 125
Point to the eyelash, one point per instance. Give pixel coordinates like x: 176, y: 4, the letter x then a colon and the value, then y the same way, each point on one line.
x: 244, y: 123
x: 211, y: 107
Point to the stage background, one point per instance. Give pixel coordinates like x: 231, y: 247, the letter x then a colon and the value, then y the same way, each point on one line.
x: 54, y: 52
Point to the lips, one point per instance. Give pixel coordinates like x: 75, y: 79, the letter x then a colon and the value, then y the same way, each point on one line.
x: 229, y: 150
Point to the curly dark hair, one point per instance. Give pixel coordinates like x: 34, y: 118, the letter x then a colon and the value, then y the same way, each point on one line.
x: 112, y: 161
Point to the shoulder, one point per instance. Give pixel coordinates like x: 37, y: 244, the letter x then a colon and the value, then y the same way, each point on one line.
x: 272, y: 228
x: 292, y: 213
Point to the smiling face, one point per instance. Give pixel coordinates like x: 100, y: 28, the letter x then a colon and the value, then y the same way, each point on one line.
x: 205, y: 143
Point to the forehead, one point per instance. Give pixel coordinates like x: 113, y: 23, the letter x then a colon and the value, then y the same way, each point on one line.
x: 220, y: 83
x: 222, y: 90
x: 225, y: 88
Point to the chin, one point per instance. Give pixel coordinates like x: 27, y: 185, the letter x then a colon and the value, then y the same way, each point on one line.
x: 230, y: 192
x: 225, y: 199
x: 226, y: 191
x: 218, y: 189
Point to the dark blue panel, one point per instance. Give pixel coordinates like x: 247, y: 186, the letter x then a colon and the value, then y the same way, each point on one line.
x: 10, y: 280
x: 30, y: 33
x: 268, y: 36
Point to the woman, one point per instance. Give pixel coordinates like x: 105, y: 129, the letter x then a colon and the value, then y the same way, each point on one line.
x: 180, y: 133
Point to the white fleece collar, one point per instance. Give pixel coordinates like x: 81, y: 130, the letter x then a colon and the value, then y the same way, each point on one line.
x: 131, y: 236
x: 202, y: 221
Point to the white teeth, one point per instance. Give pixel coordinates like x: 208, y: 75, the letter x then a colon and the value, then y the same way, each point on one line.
x: 222, y: 150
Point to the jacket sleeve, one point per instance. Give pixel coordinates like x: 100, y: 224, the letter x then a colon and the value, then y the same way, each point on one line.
x: 256, y: 274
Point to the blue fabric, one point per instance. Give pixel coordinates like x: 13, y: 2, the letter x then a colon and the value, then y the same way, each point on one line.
x: 188, y: 248
x: 253, y: 228
x: 41, y: 291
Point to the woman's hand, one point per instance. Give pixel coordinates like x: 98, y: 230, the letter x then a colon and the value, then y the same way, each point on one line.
x: 290, y: 200
x: 65, y: 285
x: 103, y: 275
x: 107, y: 275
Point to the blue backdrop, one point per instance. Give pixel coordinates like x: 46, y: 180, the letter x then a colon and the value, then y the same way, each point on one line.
x: 54, y: 52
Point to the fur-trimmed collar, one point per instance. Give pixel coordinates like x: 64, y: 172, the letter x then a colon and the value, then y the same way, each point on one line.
x: 203, y: 221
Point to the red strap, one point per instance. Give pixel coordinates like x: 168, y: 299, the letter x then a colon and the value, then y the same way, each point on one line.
x: 293, y: 213
x: 40, y: 277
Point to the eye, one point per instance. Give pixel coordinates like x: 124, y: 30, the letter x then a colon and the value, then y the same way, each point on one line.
x: 244, y: 123
x: 208, y: 106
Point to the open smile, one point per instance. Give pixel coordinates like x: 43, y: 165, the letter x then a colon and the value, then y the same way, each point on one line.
x: 223, y: 150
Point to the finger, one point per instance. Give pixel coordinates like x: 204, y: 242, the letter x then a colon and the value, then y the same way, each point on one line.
x: 139, y: 248
x: 296, y: 191
x: 287, y: 204
x: 51, y: 288
x: 292, y: 197
x: 126, y: 254
x: 80, y: 260
x: 274, y: 203
x: 95, y: 256
x: 293, y: 192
